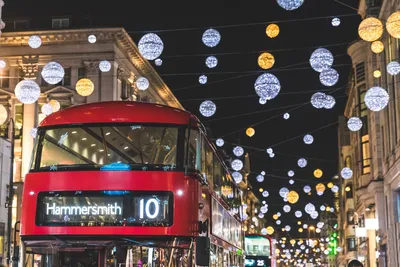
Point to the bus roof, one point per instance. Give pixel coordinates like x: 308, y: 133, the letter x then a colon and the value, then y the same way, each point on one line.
x: 119, y: 112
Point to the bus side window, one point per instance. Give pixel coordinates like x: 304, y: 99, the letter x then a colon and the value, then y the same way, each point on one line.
x: 209, y: 164
x: 217, y: 176
x: 194, y: 160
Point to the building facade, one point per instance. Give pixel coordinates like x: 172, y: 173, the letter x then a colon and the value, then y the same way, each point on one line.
x: 370, y: 218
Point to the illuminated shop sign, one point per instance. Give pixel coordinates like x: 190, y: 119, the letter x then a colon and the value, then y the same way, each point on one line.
x: 104, y: 208
x: 254, y: 261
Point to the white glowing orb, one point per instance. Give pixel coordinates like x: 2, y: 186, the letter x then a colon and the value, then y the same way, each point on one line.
x: 158, y: 62
x: 260, y: 178
x: 286, y: 208
x: 318, y: 100
x: 329, y: 77
x: 203, y: 79
x: 105, y: 66
x: 53, y: 73
x: 346, y: 173
x: 307, y: 189
x: 330, y: 102
x: 309, y: 208
x: 314, y: 214
x: 290, y: 4
x: 291, y: 181
x: 237, y: 165
x: 290, y: 173
x: 265, y: 193
x: 264, y: 209
x: 322, y: 207
x: 321, y: 59
x: 278, y: 222
x: 320, y: 193
x: 308, y: 139
x: 286, y: 116
x: 27, y: 91
x: 3, y: 64
x: 207, y: 108
x: 211, y: 38
x: 150, y: 46
x: 34, y: 41
x: 287, y: 228
x: 33, y: 132
x: 211, y: 62
x: 47, y: 109
x: 271, y: 155
x: 267, y: 86
x: 298, y: 214
x: 302, y: 162
x: 279, y: 214
x: 270, y: 150
x: 142, y: 83
x: 261, y: 215
x: 3, y: 114
x: 237, y: 176
x: 283, y: 192
x: 320, y: 224
x: 335, y: 189
x: 263, y: 231
x: 263, y: 173
x: 92, y: 39
x: 393, y: 68
x: 262, y: 101
x: 238, y: 151
x: 354, y: 124
x: 376, y: 98
x: 335, y: 22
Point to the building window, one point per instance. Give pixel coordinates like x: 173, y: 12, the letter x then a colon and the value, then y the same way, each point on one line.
x: 60, y: 23
x: 5, y: 79
x: 17, y: 25
x: 366, y: 154
x: 349, y: 191
x: 362, y: 90
x: 81, y: 73
x: 350, y: 217
x: 360, y: 72
x: 66, y: 81
x: 351, y: 244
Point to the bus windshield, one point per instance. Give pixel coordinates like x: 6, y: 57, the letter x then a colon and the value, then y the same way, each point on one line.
x: 96, y: 146
x: 257, y: 246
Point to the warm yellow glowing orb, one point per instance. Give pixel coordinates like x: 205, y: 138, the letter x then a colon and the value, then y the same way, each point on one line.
x: 250, y: 132
x: 272, y: 30
x: 370, y: 29
x: 377, y: 47
x: 275, y: 216
x: 299, y: 222
x: 393, y: 25
x: 330, y: 185
x: 292, y: 197
x: 55, y: 105
x: 300, y: 230
x: 347, y: 189
x: 84, y: 87
x: 377, y: 74
x: 318, y: 173
x: 320, y: 187
x: 270, y: 230
x: 260, y: 190
x: 266, y: 61
x: 277, y: 251
x: 3, y: 114
x: 292, y: 241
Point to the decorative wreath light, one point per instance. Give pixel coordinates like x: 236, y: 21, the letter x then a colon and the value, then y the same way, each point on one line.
x: 321, y: 59
x: 142, y: 83
x: 150, y: 46
x: 208, y: 108
x: 3, y: 114
x: 370, y: 29
x: 377, y: 74
x: 329, y: 77
x: 270, y: 230
x: 335, y: 22
x: 211, y: 62
x: 34, y: 41
x: 346, y: 173
x: 47, y: 109
x: 377, y: 47
x: 298, y: 214
x: 203, y: 79
x: 393, y: 25
x: 158, y: 62
x: 27, y: 91
x: 260, y: 178
x: 393, y: 68
x: 272, y: 30
x: 266, y: 61
x: 267, y: 86
x: 292, y: 197
x: 283, y: 192
x: 250, y: 132
x: 105, y: 66
x: 84, y: 87
x: 302, y: 162
x: 318, y: 173
x: 376, y: 98
x: 290, y: 4
x: 354, y: 124
x: 211, y: 38
x: 286, y: 116
x: 265, y: 193
x: 55, y: 105
x: 307, y: 189
x: 237, y: 177
x: 237, y: 165
x: 33, y: 132
x: 308, y: 139
x: 53, y: 73
x: 92, y: 39
x: 238, y: 151
x: 220, y: 142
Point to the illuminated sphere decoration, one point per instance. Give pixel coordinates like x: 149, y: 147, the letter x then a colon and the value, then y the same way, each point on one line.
x: 203, y: 79
x: 27, y: 91
x: 370, y: 29
x: 250, y: 132
x: 266, y: 61
x: 286, y: 208
x: 377, y: 47
x: 292, y: 197
x: 260, y: 178
x: 377, y: 74
x: 290, y: 4
x: 211, y: 38
x: 393, y: 68
x: 318, y: 100
x: 298, y: 214
x: 142, y: 83
x: 318, y: 173
x: 33, y: 132
x: 55, y: 105
x: 291, y: 181
x: 92, y: 39
x: 302, y: 162
x: 53, y: 73
x: 211, y: 62
x: 286, y: 116
x: 262, y: 101
x: 393, y: 25
x: 237, y: 176
x: 314, y: 214
x: 238, y: 151
x: 272, y: 155
x: 287, y: 228
x: 264, y: 209
x: 84, y: 87
x: 376, y: 98
x: 47, y: 109
x: 309, y: 208
x: 272, y: 30
x: 263, y: 231
x: 3, y: 114
x: 261, y: 215
x: 220, y: 142
x: 354, y: 124
x: 329, y: 77
x: 335, y: 189
x: 320, y: 187
x: 208, y: 108
x: 237, y: 165
x: 283, y: 192
x: 330, y: 185
x: 308, y: 139
x: 3, y: 64
x: 322, y: 208
x: 265, y: 194
x: 150, y: 46
x: 263, y: 173
x: 346, y: 173
x: 307, y: 189
x: 335, y: 22
x: 321, y: 59
x: 105, y: 66
x: 158, y: 62
x: 267, y: 86
x: 270, y: 230
x: 330, y: 102
x: 34, y: 41
x: 290, y: 173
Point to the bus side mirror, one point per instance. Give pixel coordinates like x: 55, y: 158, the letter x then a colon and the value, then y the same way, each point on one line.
x: 203, y: 251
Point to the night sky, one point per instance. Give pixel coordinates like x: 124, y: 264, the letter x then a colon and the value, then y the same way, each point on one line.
x: 180, y: 24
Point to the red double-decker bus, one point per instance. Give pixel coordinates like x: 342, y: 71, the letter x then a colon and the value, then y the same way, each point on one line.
x: 129, y: 184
